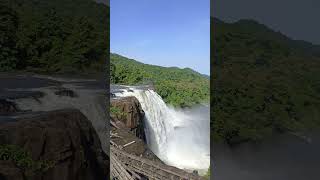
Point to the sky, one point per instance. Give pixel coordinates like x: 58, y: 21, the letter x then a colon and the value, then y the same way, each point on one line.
x: 298, y: 19
x: 162, y: 32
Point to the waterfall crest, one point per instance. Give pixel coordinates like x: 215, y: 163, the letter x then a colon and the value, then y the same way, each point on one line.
x: 179, y: 138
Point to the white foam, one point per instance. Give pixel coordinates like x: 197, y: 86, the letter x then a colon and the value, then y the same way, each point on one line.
x: 177, y: 137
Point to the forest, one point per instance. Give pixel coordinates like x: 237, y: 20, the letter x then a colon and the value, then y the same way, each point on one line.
x: 178, y: 87
x: 263, y: 83
x: 60, y: 36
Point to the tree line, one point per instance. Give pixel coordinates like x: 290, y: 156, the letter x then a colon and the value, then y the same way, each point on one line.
x: 178, y: 87
x: 53, y: 36
x: 263, y: 83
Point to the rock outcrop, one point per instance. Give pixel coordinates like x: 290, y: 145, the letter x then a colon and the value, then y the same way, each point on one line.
x: 66, y: 92
x: 128, y: 112
x: 64, y: 138
x: 7, y: 107
x: 129, y: 119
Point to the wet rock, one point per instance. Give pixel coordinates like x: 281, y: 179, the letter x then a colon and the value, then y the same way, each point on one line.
x: 66, y: 92
x: 7, y: 107
x: 8, y: 94
x: 65, y: 138
x: 128, y: 110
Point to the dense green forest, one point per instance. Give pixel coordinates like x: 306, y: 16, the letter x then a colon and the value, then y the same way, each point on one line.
x: 178, y: 87
x: 51, y: 36
x: 263, y: 82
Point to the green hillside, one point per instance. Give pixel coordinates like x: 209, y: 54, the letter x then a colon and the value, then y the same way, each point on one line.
x: 53, y: 35
x: 263, y: 82
x: 178, y: 87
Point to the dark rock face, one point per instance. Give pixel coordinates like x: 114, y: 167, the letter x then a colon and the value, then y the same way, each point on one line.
x: 8, y: 171
x: 7, y: 107
x: 64, y: 137
x: 131, y: 115
x: 129, y: 122
x: 66, y: 92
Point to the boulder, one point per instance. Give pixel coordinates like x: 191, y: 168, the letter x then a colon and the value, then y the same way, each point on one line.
x: 7, y: 107
x: 66, y: 92
x: 128, y: 111
x: 63, y: 138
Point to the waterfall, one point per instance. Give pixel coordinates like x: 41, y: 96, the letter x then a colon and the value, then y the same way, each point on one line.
x: 180, y: 138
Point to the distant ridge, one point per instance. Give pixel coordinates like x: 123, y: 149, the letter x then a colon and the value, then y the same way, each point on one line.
x: 264, y: 82
x: 182, y: 87
x: 263, y: 32
x: 170, y: 67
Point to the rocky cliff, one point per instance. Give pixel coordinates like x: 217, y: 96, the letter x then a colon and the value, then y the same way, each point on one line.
x: 128, y: 116
x: 128, y: 112
x: 54, y: 145
x: 7, y: 107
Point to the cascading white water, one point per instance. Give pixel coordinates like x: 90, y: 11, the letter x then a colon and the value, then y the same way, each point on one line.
x: 179, y: 138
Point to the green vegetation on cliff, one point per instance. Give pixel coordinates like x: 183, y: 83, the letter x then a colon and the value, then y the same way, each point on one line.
x: 263, y: 82
x: 22, y: 159
x: 53, y: 36
x: 116, y: 112
x: 178, y: 87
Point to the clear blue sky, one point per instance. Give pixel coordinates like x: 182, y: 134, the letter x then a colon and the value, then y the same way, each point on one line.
x: 162, y: 32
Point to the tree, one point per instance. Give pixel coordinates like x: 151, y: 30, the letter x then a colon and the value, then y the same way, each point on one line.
x: 8, y: 26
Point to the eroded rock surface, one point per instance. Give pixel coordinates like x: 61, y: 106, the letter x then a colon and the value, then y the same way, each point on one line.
x: 65, y: 138
x: 129, y: 119
x: 7, y: 107
x: 129, y: 112
x: 66, y: 92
